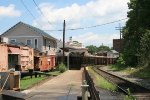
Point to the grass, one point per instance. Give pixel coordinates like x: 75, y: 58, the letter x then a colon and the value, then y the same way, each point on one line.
x: 128, y: 70
x: 115, y: 67
x: 101, y: 82
x: 144, y: 75
x: 129, y: 96
x: 28, y: 82
x: 140, y: 72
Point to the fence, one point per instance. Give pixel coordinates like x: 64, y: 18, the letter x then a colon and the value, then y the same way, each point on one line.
x: 94, y: 95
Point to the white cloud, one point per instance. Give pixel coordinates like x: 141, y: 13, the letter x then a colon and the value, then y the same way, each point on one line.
x: 9, y: 11
x: 98, y: 11
x: 96, y: 39
x: 92, y: 13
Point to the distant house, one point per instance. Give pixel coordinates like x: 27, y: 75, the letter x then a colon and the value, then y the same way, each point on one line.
x: 113, y: 54
x: 108, y: 54
x: 73, y: 52
x: 102, y: 53
x: 69, y: 46
x: 33, y: 37
x: 74, y: 44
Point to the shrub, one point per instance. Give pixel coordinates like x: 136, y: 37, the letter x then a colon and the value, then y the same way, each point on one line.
x: 120, y: 61
x: 62, y: 67
x: 129, y: 96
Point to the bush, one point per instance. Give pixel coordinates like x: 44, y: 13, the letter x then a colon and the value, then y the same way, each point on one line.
x: 120, y: 61
x: 62, y: 67
x: 145, y: 50
x: 129, y: 96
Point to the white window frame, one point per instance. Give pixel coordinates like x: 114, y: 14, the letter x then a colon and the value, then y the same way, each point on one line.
x: 27, y: 40
x: 37, y: 42
x: 12, y: 39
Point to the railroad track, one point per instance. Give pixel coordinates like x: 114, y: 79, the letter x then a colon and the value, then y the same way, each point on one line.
x: 137, y: 91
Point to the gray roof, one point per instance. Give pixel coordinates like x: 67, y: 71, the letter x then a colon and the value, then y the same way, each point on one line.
x: 114, y: 51
x: 44, y: 34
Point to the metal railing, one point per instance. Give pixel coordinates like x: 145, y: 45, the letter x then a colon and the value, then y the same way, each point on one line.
x: 94, y: 95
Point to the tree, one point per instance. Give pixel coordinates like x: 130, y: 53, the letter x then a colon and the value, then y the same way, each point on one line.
x: 92, y: 49
x: 145, y: 49
x: 103, y: 48
x: 130, y: 36
x: 135, y: 30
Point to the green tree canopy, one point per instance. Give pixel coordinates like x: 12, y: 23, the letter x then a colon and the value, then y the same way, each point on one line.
x: 135, y: 30
x: 103, y: 48
x: 145, y: 49
x: 92, y: 49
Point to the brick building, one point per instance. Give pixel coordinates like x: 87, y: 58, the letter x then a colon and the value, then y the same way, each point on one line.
x: 118, y: 45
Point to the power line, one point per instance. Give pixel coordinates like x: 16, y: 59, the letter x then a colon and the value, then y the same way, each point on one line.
x: 71, y: 29
x: 120, y: 41
x: 120, y: 29
x: 82, y: 28
x: 41, y: 12
x: 29, y: 11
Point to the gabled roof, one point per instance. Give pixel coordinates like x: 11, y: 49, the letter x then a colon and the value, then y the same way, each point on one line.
x: 41, y: 32
x: 111, y: 51
x: 114, y: 51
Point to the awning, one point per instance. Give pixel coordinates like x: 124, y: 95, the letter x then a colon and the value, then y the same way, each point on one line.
x: 13, y: 50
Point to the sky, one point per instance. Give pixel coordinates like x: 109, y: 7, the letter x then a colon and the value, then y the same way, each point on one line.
x: 76, y: 13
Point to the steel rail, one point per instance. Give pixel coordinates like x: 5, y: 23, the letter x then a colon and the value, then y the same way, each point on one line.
x: 135, y: 88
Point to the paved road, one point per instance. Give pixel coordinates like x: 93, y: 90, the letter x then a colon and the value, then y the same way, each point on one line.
x: 66, y: 86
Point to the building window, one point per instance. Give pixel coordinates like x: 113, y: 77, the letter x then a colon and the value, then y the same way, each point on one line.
x: 49, y: 46
x: 29, y: 42
x: 36, y: 43
x: 45, y: 43
x: 12, y: 40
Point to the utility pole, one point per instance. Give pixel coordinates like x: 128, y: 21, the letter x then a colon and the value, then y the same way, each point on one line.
x: 120, y: 29
x: 64, y: 26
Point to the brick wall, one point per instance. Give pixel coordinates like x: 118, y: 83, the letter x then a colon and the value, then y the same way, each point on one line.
x: 118, y: 45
